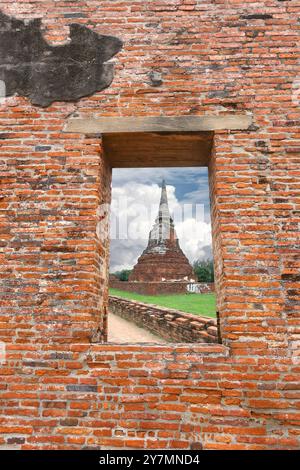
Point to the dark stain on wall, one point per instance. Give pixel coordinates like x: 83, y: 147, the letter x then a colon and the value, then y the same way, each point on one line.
x: 31, y: 67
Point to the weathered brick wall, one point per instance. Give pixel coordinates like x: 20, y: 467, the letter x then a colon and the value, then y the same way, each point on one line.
x: 171, y: 325
x: 213, y: 57
x: 157, y: 288
x: 150, y: 288
x: 133, y: 396
x: 51, y: 287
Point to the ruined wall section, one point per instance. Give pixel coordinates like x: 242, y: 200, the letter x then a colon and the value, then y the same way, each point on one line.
x: 170, y: 324
x: 52, y: 272
x: 164, y: 287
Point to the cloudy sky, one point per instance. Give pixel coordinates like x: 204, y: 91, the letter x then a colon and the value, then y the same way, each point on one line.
x: 135, y: 201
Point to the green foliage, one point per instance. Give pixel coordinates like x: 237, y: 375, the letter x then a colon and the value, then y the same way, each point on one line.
x: 199, y: 304
x: 123, y: 275
x: 204, y: 269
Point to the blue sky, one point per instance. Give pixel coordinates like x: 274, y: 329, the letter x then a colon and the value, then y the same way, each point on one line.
x: 140, y: 189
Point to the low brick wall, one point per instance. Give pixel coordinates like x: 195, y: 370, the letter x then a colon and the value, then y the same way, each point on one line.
x: 158, y: 288
x: 171, y: 325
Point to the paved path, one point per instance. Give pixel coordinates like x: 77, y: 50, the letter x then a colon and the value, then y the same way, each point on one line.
x: 124, y: 331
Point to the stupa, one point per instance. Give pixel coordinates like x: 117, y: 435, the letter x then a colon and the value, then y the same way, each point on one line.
x: 163, y: 259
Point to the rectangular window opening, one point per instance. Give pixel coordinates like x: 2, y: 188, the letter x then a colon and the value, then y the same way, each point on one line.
x: 161, y: 281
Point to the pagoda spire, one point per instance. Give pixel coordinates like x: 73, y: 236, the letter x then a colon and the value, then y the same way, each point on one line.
x: 164, y: 212
x: 164, y: 196
x: 163, y: 229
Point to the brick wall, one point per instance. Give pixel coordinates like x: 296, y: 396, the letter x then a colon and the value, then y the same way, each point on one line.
x: 157, y: 288
x: 138, y: 396
x: 59, y: 391
x: 171, y: 325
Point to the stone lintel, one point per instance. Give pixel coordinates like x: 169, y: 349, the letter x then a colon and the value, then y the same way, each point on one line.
x: 109, y: 125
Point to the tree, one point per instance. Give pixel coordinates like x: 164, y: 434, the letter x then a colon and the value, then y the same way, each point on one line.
x: 204, y: 269
x: 123, y: 275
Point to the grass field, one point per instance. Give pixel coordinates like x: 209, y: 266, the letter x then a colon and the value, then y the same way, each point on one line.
x: 199, y: 304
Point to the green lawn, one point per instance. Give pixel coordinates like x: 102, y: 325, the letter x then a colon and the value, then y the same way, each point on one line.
x: 199, y: 304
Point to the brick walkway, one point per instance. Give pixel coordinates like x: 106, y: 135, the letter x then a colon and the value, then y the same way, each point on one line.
x: 123, y: 331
